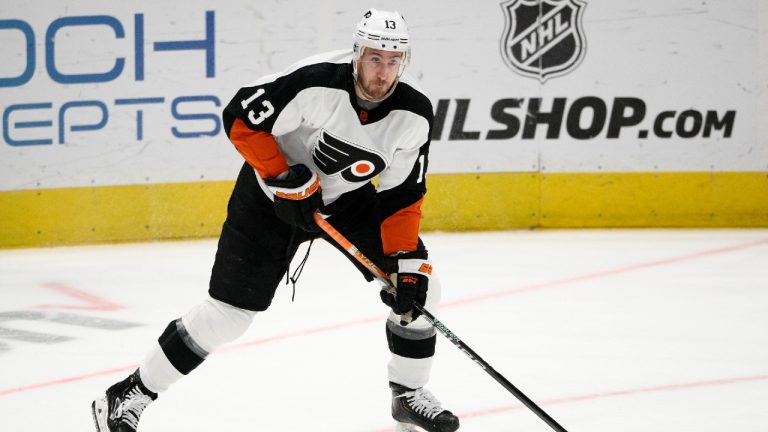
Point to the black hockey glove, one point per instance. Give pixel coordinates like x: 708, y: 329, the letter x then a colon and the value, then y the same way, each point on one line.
x: 297, y: 195
x: 411, y: 285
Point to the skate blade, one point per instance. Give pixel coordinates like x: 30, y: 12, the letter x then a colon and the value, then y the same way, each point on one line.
x: 99, y: 411
x: 405, y: 427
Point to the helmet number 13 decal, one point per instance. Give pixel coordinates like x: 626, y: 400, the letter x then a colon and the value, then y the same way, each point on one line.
x: 263, y: 114
x: 389, y: 24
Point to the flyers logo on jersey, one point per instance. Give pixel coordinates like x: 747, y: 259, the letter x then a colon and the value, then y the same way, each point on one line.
x: 335, y: 156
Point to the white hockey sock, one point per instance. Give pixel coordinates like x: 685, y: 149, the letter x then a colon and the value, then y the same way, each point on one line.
x: 190, y: 339
x: 410, y: 345
x: 156, y: 372
x: 409, y: 372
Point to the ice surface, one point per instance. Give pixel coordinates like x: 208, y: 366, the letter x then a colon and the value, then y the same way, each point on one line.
x: 645, y: 330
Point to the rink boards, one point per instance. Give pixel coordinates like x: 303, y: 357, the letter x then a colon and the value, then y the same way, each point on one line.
x: 549, y: 114
x: 456, y: 202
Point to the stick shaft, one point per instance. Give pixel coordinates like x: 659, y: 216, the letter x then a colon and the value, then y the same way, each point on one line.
x: 383, y: 277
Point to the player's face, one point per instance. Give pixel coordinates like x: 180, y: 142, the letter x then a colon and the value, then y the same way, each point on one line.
x: 377, y: 71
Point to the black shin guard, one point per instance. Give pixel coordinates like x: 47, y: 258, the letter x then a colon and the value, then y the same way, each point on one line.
x: 411, y: 343
x: 182, y: 351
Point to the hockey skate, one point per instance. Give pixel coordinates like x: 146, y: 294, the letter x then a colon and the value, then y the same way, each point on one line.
x: 119, y: 410
x: 420, y: 408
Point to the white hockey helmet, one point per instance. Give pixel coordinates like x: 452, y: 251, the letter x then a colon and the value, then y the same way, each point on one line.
x: 382, y: 30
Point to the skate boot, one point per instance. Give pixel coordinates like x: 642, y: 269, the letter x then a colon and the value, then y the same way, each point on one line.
x: 119, y: 410
x: 420, y: 408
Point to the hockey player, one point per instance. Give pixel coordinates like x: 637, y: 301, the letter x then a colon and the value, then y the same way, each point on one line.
x: 313, y: 137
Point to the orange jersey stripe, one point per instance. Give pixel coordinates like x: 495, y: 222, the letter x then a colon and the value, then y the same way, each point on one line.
x: 400, y: 232
x: 259, y: 149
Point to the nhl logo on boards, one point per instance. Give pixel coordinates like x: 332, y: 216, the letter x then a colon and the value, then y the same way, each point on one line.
x: 543, y: 38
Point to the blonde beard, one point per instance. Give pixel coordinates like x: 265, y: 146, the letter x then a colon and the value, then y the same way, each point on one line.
x: 364, y: 95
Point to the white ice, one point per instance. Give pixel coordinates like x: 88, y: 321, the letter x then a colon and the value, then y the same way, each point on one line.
x: 643, y: 330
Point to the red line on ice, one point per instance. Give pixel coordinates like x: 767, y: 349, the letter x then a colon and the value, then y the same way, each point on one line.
x: 379, y: 318
x: 605, y: 273
x: 21, y: 389
x: 92, y: 302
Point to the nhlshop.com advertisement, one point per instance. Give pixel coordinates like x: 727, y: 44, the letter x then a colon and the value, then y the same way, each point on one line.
x: 580, y: 86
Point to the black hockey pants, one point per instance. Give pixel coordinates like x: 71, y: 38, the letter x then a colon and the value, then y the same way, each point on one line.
x: 256, y: 248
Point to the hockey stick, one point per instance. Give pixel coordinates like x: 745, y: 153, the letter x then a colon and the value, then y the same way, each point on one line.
x: 384, y: 278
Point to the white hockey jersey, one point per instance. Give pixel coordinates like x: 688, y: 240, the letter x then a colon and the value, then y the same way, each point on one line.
x: 309, y: 115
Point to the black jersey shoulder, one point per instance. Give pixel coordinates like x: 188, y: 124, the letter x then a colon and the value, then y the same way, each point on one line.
x: 329, y: 75
x: 279, y: 90
x: 409, y: 98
